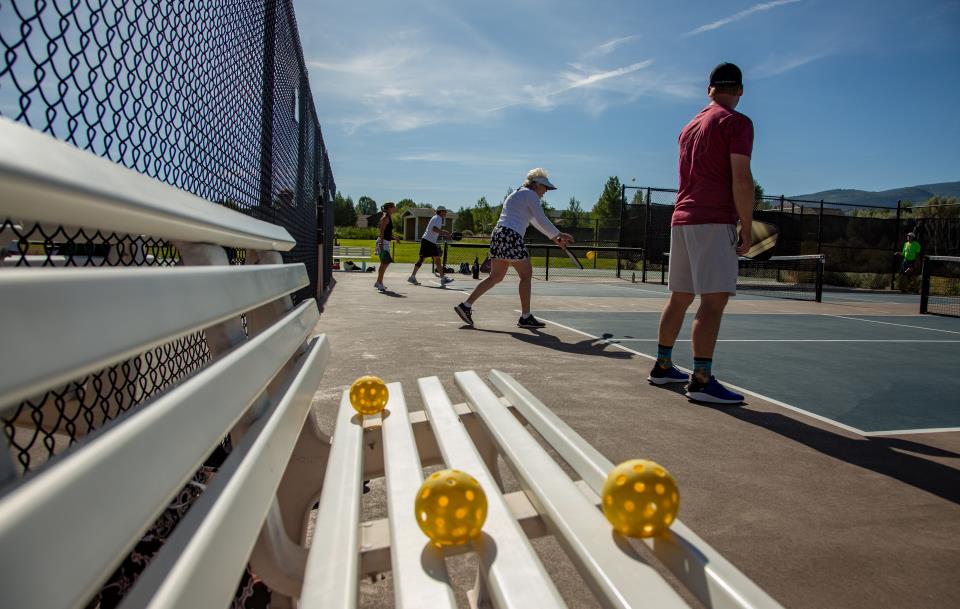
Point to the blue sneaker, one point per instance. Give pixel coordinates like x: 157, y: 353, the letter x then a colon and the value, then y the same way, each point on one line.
x: 712, y: 391
x: 662, y: 376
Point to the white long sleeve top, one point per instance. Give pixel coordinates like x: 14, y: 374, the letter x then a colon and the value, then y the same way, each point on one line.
x: 521, y: 209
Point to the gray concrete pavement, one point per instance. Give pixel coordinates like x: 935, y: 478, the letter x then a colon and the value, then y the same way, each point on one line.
x: 819, y: 517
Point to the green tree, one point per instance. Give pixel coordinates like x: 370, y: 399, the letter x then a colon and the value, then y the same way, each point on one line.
x: 366, y: 206
x: 608, y: 205
x: 483, y: 216
x: 573, y: 215
x: 938, y: 207
x: 344, y: 213
x: 464, y: 221
x: 758, y: 200
x: 637, y: 198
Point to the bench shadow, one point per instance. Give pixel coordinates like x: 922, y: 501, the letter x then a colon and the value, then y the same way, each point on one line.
x: 877, y: 454
x: 590, y: 346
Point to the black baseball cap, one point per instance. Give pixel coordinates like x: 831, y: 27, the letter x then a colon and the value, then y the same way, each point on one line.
x: 725, y: 75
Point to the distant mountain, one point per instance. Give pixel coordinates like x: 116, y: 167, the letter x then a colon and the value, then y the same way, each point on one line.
x: 886, y: 198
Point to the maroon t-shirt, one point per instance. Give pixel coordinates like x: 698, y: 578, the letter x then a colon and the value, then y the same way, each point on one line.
x: 706, y: 179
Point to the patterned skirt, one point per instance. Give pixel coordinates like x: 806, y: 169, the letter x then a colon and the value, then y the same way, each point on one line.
x: 507, y: 244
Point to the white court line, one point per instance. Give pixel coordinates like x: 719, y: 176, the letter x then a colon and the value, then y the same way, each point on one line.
x: 908, y: 432
x: 889, y: 323
x: 800, y: 340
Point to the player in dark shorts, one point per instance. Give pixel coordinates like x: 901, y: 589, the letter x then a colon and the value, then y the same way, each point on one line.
x: 383, y: 242
x: 430, y: 249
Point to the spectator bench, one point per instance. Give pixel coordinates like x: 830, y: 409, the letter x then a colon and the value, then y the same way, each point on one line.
x: 350, y: 252
x: 64, y: 528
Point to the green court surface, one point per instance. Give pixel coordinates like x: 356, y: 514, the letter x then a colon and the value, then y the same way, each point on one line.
x: 870, y: 374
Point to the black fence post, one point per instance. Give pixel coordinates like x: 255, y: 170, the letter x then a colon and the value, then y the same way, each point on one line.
x: 781, y: 204
x: 820, y: 229
x: 623, y: 208
x: 646, y: 237
x: 266, y: 114
x: 547, y: 265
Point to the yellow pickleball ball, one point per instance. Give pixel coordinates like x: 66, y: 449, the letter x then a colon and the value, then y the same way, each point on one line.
x: 451, y: 507
x: 369, y: 395
x: 640, y: 498
x: 591, y: 255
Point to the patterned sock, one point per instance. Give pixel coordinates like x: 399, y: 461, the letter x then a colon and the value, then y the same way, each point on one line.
x: 664, y: 356
x: 702, y: 368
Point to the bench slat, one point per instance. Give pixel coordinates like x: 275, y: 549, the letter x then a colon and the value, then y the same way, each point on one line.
x: 131, y: 460
x: 704, y: 571
x: 118, y: 313
x: 78, y: 188
x: 331, y: 577
x: 420, y: 575
x: 515, y: 576
x: 201, y: 563
x: 617, y: 575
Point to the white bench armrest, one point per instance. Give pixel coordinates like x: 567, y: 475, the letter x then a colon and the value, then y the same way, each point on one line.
x: 221, y: 528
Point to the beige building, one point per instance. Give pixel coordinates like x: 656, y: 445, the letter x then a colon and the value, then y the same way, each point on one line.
x: 414, y: 221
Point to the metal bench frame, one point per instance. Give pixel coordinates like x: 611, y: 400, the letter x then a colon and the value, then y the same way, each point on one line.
x: 105, y: 493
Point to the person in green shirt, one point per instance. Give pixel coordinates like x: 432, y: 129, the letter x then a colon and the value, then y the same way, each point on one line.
x: 911, y: 254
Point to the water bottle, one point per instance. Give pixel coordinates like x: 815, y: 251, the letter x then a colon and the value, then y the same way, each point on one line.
x: 476, y: 267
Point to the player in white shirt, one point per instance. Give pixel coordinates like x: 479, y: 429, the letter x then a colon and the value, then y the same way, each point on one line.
x: 520, y: 210
x: 429, y: 247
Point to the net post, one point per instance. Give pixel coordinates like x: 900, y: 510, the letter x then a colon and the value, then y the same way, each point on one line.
x: 821, y: 264
x: 896, y: 238
x: 663, y: 268
x: 547, y: 265
x: 924, y: 285
x: 618, y: 263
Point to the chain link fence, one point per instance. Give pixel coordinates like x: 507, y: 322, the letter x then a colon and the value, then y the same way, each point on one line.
x: 859, y: 241
x: 212, y: 98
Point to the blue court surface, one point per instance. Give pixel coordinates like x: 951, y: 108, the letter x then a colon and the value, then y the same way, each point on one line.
x: 872, y: 375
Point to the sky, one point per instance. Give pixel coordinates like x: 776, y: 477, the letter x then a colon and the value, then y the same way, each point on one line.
x: 447, y: 101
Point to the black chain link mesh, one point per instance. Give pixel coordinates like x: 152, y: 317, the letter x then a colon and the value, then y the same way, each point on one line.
x: 858, y: 241
x: 210, y: 97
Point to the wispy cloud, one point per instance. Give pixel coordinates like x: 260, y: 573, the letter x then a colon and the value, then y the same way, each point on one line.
x: 408, y: 81
x: 756, y: 8
x: 780, y: 65
x: 608, y: 47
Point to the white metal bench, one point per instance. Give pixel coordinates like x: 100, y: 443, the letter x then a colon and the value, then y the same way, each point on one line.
x: 65, y: 527
x: 351, y: 252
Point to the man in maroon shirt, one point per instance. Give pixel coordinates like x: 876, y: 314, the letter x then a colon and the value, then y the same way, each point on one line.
x: 716, y: 188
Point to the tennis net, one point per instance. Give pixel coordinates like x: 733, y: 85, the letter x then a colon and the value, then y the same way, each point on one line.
x: 940, y: 287
x: 792, y: 277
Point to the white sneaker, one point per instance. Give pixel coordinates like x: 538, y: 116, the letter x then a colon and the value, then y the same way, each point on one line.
x: 376, y: 285
x: 382, y: 288
x: 446, y: 280
x: 413, y: 280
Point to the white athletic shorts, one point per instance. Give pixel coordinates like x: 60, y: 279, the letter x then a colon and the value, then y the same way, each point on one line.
x: 703, y: 259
